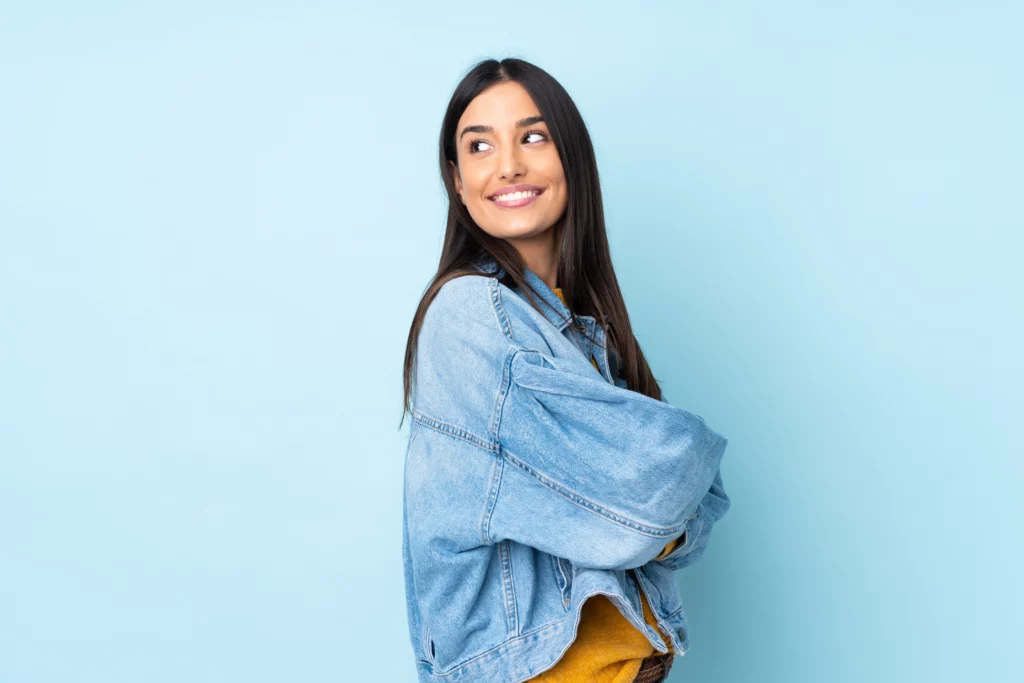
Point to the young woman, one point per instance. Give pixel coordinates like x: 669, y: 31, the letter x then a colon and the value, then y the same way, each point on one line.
x: 550, y: 492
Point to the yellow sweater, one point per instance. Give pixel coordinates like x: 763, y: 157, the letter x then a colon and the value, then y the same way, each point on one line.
x: 608, y: 648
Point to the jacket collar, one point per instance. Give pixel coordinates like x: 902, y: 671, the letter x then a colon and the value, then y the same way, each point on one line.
x: 556, y: 312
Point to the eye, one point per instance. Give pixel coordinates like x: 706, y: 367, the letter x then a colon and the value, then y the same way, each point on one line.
x: 473, y: 143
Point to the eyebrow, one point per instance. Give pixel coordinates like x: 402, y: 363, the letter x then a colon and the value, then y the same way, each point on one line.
x: 521, y: 123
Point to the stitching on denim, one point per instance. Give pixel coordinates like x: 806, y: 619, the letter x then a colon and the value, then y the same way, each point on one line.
x: 511, y: 615
x: 661, y: 597
x: 456, y: 432
x: 499, y: 400
x: 556, y: 571
x: 492, y: 500
x: 506, y: 375
x: 642, y: 584
x: 499, y: 310
x: 576, y: 498
x: 603, y: 355
x: 498, y: 651
x: 503, y: 387
x: 680, y: 615
x: 506, y: 381
x: 512, y: 587
x: 495, y: 652
x: 561, y: 577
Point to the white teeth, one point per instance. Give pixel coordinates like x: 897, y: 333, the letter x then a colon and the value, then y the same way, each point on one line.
x: 514, y: 196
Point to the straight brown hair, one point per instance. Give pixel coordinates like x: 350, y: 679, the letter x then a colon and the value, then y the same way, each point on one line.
x: 585, y: 272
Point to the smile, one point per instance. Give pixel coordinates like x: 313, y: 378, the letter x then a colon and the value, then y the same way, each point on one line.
x: 516, y: 200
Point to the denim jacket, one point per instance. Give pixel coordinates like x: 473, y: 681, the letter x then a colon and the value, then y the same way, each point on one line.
x: 534, y: 481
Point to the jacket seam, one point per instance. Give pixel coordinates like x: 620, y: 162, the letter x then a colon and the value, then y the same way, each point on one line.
x: 499, y: 311
x: 492, y: 500
x: 458, y: 667
x: 508, y: 583
x: 455, y: 432
x: 504, y: 551
x: 664, y: 621
x: 506, y: 372
x: 503, y: 548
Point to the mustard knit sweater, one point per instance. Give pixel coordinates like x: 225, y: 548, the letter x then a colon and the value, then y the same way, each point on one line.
x: 608, y: 648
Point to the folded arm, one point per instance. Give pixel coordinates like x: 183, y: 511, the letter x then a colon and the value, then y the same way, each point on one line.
x: 582, y: 469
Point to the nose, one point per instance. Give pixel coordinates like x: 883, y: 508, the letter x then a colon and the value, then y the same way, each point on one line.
x: 510, y: 164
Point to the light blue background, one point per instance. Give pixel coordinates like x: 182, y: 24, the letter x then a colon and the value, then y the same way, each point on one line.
x: 216, y: 222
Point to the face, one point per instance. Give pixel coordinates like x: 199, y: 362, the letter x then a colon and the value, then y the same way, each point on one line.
x: 502, y: 141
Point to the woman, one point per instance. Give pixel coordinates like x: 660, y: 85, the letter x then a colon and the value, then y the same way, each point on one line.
x: 550, y: 491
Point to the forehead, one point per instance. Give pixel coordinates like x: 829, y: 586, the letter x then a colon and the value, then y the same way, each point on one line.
x: 501, y: 104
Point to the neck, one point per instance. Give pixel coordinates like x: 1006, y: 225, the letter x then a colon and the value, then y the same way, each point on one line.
x: 540, y: 255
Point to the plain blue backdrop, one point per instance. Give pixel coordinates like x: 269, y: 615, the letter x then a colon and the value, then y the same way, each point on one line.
x: 216, y: 221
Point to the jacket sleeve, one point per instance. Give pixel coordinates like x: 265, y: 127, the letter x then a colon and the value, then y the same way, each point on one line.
x: 593, y: 472
x: 688, y: 548
x: 712, y: 508
x: 671, y: 545
x: 683, y: 557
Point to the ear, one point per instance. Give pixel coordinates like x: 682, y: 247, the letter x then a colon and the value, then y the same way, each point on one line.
x: 457, y: 178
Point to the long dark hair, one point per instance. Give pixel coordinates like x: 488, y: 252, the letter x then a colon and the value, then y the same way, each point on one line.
x: 585, y: 272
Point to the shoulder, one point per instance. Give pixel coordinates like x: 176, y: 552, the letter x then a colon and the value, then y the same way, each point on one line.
x: 481, y: 311
x: 464, y: 317
x: 462, y: 291
x: 467, y: 303
x: 460, y: 355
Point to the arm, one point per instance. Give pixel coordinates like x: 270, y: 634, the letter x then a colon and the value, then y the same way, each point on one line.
x: 671, y: 545
x: 576, y: 467
x: 600, y: 475
x: 713, y: 506
x: 688, y: 548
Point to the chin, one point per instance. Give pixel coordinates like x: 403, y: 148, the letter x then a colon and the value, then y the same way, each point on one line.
x: 519, y: 233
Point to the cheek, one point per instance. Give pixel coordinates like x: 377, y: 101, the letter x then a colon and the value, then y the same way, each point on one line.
x: 558, y: 180
x: 474, y: 185
x: 554, y: 171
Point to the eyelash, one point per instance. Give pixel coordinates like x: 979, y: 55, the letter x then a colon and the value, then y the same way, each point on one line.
x: 526, y: 134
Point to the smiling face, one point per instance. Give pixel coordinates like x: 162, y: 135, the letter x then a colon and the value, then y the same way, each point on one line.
x: 503, y: 142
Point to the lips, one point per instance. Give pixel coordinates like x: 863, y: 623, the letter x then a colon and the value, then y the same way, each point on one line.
x: 508, y: 189
x: 524, y: 200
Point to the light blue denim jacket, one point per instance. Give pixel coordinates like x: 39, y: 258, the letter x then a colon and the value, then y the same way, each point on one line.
x: 533, y: 481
